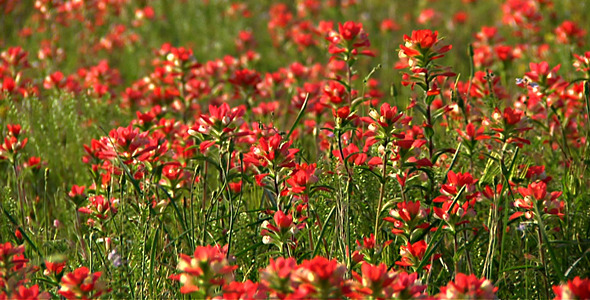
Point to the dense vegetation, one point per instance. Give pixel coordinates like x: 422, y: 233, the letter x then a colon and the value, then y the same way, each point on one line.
x: 304, y: 149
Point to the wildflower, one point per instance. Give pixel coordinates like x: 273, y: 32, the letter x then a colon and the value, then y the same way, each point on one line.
x: 100, y: 207
x: 574, y: 289
x: 13, y: 144
x: 221, y: 122
x: 368, y: 250
x: 388, y: 25
x: 54, y: 268
x: 412, y: 254
x: 533, y: 194
x: 569, y: 32
x: 455, y: 214
x: 374, y: 280
x: 272, y: 152
x: 244, y: 290
x: 352, y: 154
x: 81, y: 284
x: 468, y: 287
x: 282, y: 230
x: 418, y: 53
x: 510, y: 124
x: 379, y: 283
x: 582, y: 62
x: 302, y: 177
x: 77, y: 194
x: 346, y: 43
x: 320, y: 278
x: 407, y: 217
x: 471, y: 135
x: 207, y: 269
x: 422, y: 47
x: 115, y: 258
x: 31, y: 293
x: 277, y: 276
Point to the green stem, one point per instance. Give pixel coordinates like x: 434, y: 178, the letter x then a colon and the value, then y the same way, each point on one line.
x: 543, y: 264
x: 381, y: 194
x: 544, y: 238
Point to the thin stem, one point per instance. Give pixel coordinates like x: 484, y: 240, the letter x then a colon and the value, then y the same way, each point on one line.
x: 348, y: 221
x: 456, y: 256
x: 311, y: 247
x: 80, y: 237
x: 543, y: 263
x: 469, y: 263
x: 381, y: 194
x: 21, y: 199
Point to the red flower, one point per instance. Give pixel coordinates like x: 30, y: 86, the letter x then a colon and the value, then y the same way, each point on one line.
x: 349, y: 30
x: 471, y: 134
x: 277, y: 275
x: 574, y: 289
x: 80, y: 284
x: 352, y: 154
x: 282, y: 230
x: 535, y: 192
x: 204, y: 271
x: 456, y: 214
x: 412, y: 254
x: 540, y: 73
x: 245, y: 78
x: 389, y: 25
x: 302, y: 176
x: 418, y: 54
x: 33, y: 162
x: 512, y: 116
x: 12, y: 145
x: 468, y: 287
x: 420, y: 42
x: 454, y: 183
x: 320, y: 278
x: 283, y: 221
x: 221, y: 121
x: 347, y: 42
x: 31, y: 293
x: 425, y: 38
x: 14, y: 129
x: 57, y: 80
x: 100, y: 207
x: 343, y: 113
x: 511, y: 123
x: 334, y: 92
x: 272, y: 151
x: 244, y: 290
x: 54, y: 268
x: 582, y: 62
x: 374, y: 281
x: 77, y: 194
x: 570, y: 32
x: 407, y: 217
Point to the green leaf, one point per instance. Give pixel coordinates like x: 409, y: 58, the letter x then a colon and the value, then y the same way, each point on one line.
x: 428, y: 132
x: 299, y: 115
x: 323, y: 232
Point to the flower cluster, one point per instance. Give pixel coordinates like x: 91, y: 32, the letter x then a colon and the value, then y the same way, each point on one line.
x: 207, y: 269
x: 536, y: 195
x: 281, y: 232
x: 82, y: 284
x: 419, y: 53
x: 468, y: 287
x: 15, y: 274
x: 349, y: 41
x: 574, y: 289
